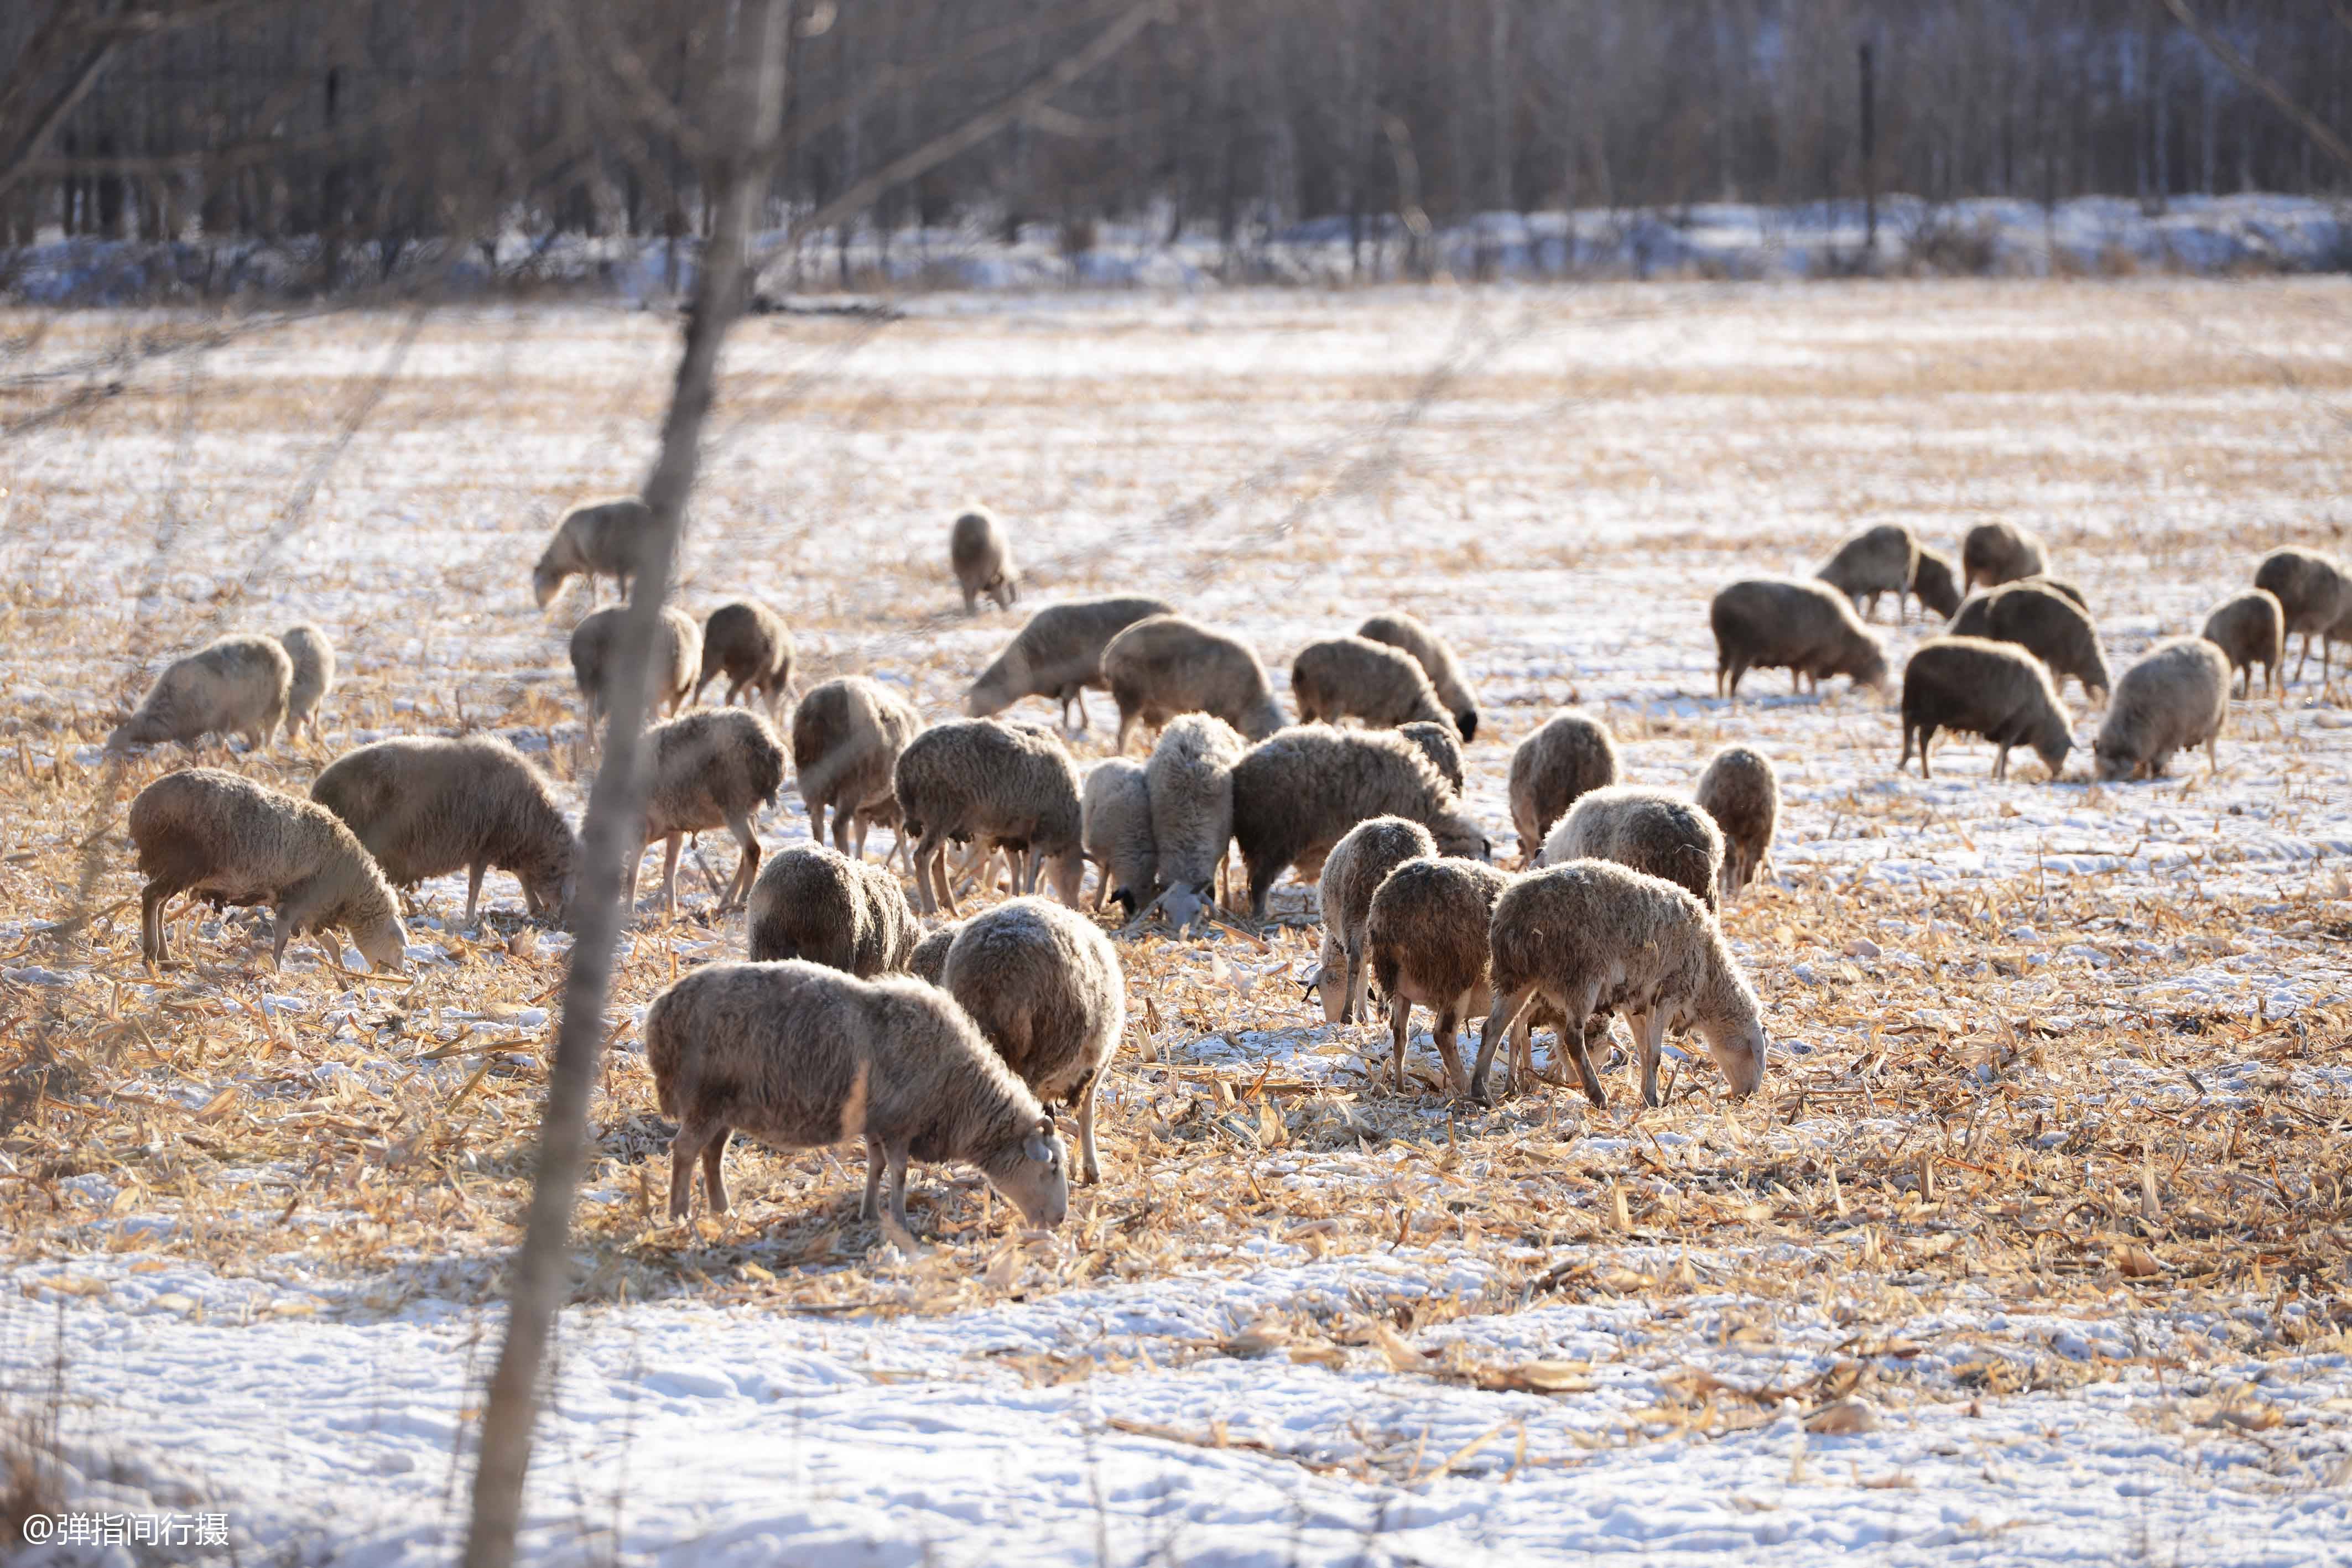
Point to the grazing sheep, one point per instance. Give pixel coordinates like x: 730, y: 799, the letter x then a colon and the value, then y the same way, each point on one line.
x: 929, y: 961
x: 1427, y: 932
x: 1355, y: 677
x: 814, y: 902
x: 1592, y: 936
x: 1572, y: 754
x: 313, y: 657
x: 2044, y: 622
x: 1298, y: 793
x: 1438, y: 744
x: 1934, y: 582
x: 1997, y: 690
x: 1115, y: 813
x: 1399, y: 630
x: 238, y: 685
x: 204, y: 832
x: 711, y: 768
x: 426, y: 807
x: 2176, y: 697
x: 676, y: 659
x: 1057, y: 654
x: 2314, y: 592
x: 750, y: 645
x: 1166, y: 665
x: 1782, y: 623
x: 1876, y: 561
x: 802, y: 1056
x: 2249, y: 626
x: 1189, y: 779
x: 1995, y: 553
x: 593, y: 539
x: 981, y: 780
x: 847, y: 736
x: 1648, y: 830
x: 1351, y: 873
x: 1043, y: 984
x: 1741, y: 792
x: 982, y: 561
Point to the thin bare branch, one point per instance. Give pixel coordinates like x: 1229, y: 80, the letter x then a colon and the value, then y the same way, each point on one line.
x: 2238, y: 66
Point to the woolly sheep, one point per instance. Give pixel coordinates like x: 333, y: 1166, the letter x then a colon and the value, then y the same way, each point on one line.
x: 593, y: 539
x: 929, y: 961
x: 313, y: 658
x: 1355, y: 677
x: 981, y: 780
x: 232, y: 840
x: 712, y: 768
x: 802, y: 1056
x: 1739, y: 790
x: 1648, y: 830
x: 1440, y: 743
x: 1876, y: 561
x: 1300, y: 792
x: 236, y: 686
x: 1995, y: 553
x: 1114, y: 812
x: 1427, y: 932
x: 847, y: 736
x: 1166, y: 665
x: 1935, y: 584
x: 2044, y: 622
x: 982, y: 561
x: 813, y: 901
x: 1805, y: 628
x: 2249, y: 626
x: 1437, y: 656
x: 1057, y: 654
x: 676, y: 659
x: 1997, y: 690
x: 1572, y: 754
x: 1592, y: 936
x: 1352, y: 873
x: 1190, y: 780
x: 2313, y: 591
x: 2176, y: 697
x: 424, y: 806
x: 750, y: 645
x: 1043, y: 984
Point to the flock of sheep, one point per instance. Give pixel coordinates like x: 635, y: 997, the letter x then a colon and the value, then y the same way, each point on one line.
x: 849, y: 1019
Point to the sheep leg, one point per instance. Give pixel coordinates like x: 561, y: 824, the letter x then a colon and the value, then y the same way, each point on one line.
x: 1572, y: 1035
x: 1102, y: 883
x: 1128, y: 719
x: 1501, y: 1014
x: 1400, y: 1033
x: 669, y: 873
x: 1360, y: 983
x: 1926, y: 739
x: 1090, y: 1165
x: 747, y: 870
x: 1449, y: 1049
x: 685, y: 1148
x: 876, y: 1163
x: 947, y: 886
x: 473, y: 889
x: 714, y: 1182
x: 816, y: 826
x: 897, y: 1209
x: 2000, y: 763
x: 1650, y: 1034
x: 922, y: 870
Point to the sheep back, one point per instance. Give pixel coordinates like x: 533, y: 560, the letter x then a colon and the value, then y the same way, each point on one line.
x: 1356, y: 677
x: 1880, y: 559
x: 1165, y: 665
x: 707, y: 767
x: 1571, y: 756
x: 750, y: 645
x: 983, y: 779
x: 847, y: 736
x: 2312, y: 589
x: 982, y: 561
x: 1300, y: 790
x: 1995, y: 553
x: 1439, y: 743
x: 1647, y: 829
x: 816, y: 904
x: 677, y: 658
x: 1043, y: 984
x: 2044, y: 622
x: 1435, y: 654
x: 2176, y: 697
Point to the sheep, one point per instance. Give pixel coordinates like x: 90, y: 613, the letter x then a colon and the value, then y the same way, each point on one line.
x: 1166, y: 665
x: 593, y: 539
x: 1572, y: 754
x: 1296, y: 793
x: 1399, y: 630
x: 802, y: 1056
x: 676, y: 659
x: 713, y: 768
x: 1057, y: 654
x: 236, y: 686
x: 2060, y: 586
x: 2043, y: 622
x: 1741, y: 792
x: 2176, y: 697
x: 1043, y: 984
x: 982, y: 561
x: 1352, y: 873
x: 425, y: 806
x: 1355, y: 677
x: 1438, y: 744
x: 750, y: 645
x: 1934, y: 584
x: 929, y: 961
x: 1806, y: 628
x: 1115, y: 814
x: 1190, y: 780
x: 2314, y: 592
x: 1592, y: 936
x: 232, y: 841
x: 1997, y: 690
x: 1995, y: 553
x: 813, y: 901
x: 1427, y: 929
x: 847, y: 736
x: 313, y: 657
x: 2249, y: 626
x: 1876, y: 561
x: 978, y: 778
x: 1648, y: 830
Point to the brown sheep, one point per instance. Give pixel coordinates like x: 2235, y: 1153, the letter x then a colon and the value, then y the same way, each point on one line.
x: 2044, y: 622
x: 1572, y: 754
x: 1995, y: 553
x: 2249, y: 626
x: 716, y: 767
x: 1355, y: 677
x: 1741, y: 792
x: 1997, y: 690
x: 1167, y: 665
x: 1057, y: 654
x: 424, y: 806
x: 814, y: 902
x: 847, y: 736
x: 750, y: 645
x: 1806, y: 628
x: 1435, y: 654
x: 1876, y: 561
x: 982, y: 561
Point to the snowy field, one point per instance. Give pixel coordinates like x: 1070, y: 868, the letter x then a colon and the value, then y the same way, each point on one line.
x: 2032, y: 1250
